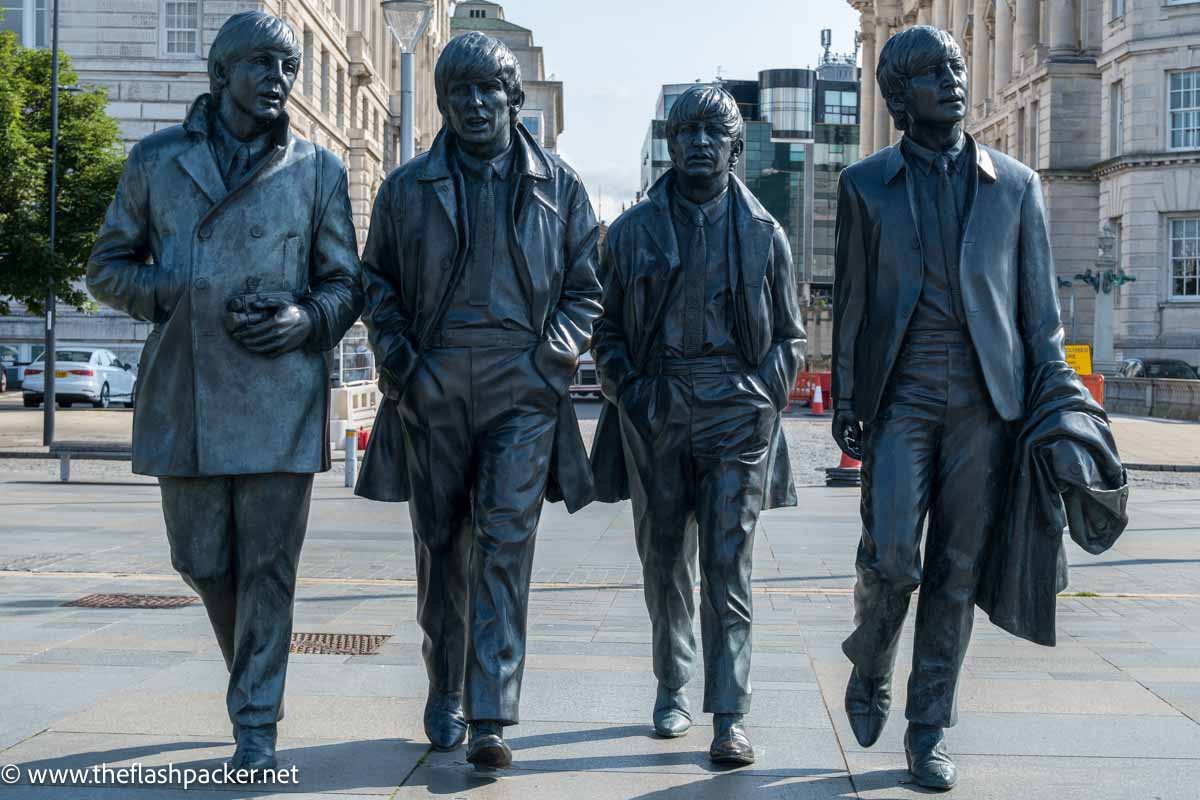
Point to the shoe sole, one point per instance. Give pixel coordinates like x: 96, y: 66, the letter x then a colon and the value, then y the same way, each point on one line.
x: 662, y: 734
x: 490, y: 757
x: 737, y: 761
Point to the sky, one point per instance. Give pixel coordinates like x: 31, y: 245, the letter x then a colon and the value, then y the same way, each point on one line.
x: 614, y: 55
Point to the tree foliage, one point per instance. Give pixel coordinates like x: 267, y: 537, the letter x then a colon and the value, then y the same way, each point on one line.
x: 90, y: 159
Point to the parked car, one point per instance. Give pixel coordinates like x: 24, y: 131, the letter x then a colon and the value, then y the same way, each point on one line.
x: 1158, y: 368
x: 90, y: 375
x: 587, y: 382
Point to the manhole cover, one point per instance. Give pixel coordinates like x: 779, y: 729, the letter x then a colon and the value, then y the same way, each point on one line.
x: 337, y: 644
x: 134, y: 601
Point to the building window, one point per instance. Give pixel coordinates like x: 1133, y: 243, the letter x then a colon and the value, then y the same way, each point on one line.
x: 308, y: 61
x: 1185, y: 258
x: 1022, y: 155
x: 1116, y: 9
x: 1033, y: 134
x: 478, y: 13
x: 1116, y: 119
x: 181, y: 27
x: 1185, y: 110
x: 533, y: 124
x: 325, y: 96
x: 341, y: 99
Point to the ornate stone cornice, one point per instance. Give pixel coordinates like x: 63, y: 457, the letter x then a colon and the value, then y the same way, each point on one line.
x: 1132, y: 161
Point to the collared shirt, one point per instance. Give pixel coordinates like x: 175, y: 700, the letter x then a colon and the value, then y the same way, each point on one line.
x: 236, y: 158
x: 490, y: 294
x: 699, y: 319
x: 940, y: 304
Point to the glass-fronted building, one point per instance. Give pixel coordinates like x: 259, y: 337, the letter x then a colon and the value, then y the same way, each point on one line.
x: 801, y: 131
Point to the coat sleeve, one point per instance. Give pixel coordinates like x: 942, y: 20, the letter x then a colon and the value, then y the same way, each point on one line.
x: 387, y: 322
x: 568, y: 331
x: 1039, y: 318
x: 786, y: 354
x: 120, y: 272
x: 849, y: 289
x: 334, y: 296
x: 613, y: 363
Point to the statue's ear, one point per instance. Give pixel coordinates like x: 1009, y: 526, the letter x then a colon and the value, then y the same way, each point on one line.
x: 517, y: 102
x: 220, y: 76
x: 735, y: 152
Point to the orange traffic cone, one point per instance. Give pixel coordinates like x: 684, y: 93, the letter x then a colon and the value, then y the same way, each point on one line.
x: 847, y: 473
x: 817, y: 406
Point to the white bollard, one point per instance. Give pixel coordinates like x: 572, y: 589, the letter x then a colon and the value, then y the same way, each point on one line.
x: 351, y: 456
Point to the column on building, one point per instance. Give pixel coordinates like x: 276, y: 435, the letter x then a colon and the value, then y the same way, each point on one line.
x: 867, y: 90
x: 1002, y: 58
x: 1025, y: 30
x: 979, y: 53
x: 959, y: 22
x: 923, y: 12
x: 883, y: 120
x: 941, y: 14
x: 1064, y: 28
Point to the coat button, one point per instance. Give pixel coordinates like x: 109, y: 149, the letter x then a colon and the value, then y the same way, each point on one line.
x: 201, y: 283
x: 256, y: 232
x: 205, y: 232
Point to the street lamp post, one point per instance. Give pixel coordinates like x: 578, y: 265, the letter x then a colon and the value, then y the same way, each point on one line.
x: 48, y: 357
x: 407, y: 20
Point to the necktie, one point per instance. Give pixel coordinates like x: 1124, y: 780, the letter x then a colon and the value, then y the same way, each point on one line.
x: 237, y: 166
x: 480, y: 288
x: 693, y: 324
x: 948, y: 225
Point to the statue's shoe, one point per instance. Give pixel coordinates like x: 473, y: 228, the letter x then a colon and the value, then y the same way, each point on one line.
x: 868, y: 701
x: 255, y: 749
x: 487, y: 748
x: 445, y: 725
x: 730, y: 744
x: 672, y: 717
x: 928, y: 760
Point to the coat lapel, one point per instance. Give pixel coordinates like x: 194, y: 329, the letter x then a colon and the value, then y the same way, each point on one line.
x: 201, y: 166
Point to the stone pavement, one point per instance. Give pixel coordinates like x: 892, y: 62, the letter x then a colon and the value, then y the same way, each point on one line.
x: 1112, y: 713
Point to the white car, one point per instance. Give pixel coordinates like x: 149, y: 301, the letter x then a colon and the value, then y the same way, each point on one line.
x: 82, y: 375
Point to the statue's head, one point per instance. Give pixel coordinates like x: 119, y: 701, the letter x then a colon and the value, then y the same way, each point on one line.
x: 705, y: 132
x: 253, y: 62
x: 478, y: 83
x: 923, y: 77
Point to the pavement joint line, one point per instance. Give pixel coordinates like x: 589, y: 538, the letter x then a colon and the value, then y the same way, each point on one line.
x: 411, y: 583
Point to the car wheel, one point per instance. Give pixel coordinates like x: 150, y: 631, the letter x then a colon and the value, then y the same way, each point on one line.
x: 105, y: 398
x: 31, y: 401
x: 3, y: 380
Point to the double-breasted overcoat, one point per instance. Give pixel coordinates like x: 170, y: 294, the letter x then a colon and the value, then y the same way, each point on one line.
x: 176, y: 246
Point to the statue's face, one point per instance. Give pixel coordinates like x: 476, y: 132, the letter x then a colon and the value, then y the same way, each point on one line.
x: 703, y: 148
x: 478, y: 109
x: 259, y: 83
x: 938, y: 95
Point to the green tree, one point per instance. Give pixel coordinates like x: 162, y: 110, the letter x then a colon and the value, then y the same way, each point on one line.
x: 90, y: 158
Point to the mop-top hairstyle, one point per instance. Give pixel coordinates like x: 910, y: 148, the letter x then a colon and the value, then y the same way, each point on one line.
x: 701, y: 103
x: 245, y: 33
x: 906, y: 54
x: 477, y: 56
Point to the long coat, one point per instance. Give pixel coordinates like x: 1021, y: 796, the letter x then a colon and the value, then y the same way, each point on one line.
x: 175, y: 246
x: 415, y: 256
x: 641, y: 265
x: 1005, y: 271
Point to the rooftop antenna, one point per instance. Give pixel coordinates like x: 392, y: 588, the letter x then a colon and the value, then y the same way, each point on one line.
x: 827, y: 44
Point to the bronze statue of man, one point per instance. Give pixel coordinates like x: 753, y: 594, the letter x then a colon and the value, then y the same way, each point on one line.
x: 944, y: 311
x: 697, y: 352
x: 234, y: 237
x: 481, y: 287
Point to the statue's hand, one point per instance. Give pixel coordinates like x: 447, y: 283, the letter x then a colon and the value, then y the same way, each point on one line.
x: 847, y: 432
x: 285, y: 330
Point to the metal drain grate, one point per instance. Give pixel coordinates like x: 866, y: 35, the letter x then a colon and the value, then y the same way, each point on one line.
x: 134, y: 601
x: 337, y: 644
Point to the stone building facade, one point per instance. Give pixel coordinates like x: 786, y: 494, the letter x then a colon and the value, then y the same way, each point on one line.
x: 151, y: 57
x: 1102, y: 97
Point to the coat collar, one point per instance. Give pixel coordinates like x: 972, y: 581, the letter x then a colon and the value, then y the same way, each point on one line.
x: 895, y: 161
x: 743, y: 198
x: 528, y: 156
x: 199, y: 121
x: 198, y: 160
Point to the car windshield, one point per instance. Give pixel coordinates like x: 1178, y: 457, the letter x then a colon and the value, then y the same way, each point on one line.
x: 78, y: 356
x: 1170, y: 369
